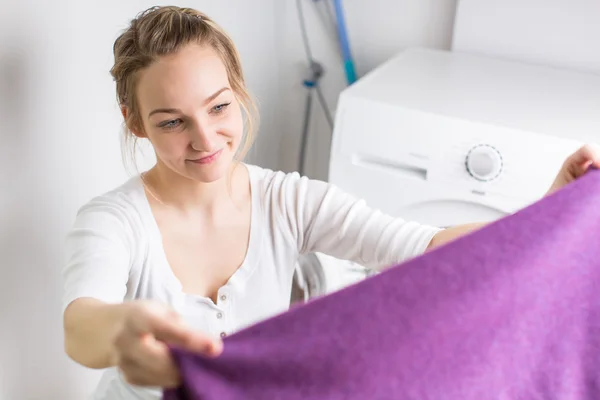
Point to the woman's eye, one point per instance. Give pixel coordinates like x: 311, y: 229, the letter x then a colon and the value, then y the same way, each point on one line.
x: 220, y: 108
x: 174, y: 123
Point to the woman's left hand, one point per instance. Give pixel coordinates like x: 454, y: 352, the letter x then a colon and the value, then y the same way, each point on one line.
x: 576, y: 166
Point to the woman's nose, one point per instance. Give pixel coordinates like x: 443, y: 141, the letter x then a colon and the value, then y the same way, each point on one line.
x: 202, y: 139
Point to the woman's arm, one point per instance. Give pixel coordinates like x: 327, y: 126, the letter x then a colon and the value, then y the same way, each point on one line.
x: 90, y: 328
x: 97, y: 263
x: 100, y: 329
x: 133, y: 336
x: 449, y: 234
x: 322, y: 218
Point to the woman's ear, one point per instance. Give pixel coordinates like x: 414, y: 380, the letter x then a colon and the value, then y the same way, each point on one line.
x: 134, y: 130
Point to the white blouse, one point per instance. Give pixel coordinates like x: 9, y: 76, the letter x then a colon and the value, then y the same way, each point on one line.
x: 114, y: 253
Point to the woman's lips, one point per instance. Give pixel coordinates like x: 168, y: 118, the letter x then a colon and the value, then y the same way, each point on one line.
x: 208, y: 159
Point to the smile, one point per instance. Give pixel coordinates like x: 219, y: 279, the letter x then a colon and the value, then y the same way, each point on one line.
x: 208, y: 159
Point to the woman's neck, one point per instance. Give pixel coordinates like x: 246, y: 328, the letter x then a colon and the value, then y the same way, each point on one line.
x: 174, y: 190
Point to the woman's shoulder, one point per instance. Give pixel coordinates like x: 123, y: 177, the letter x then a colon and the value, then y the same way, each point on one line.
x: 285, y: 192
x: 122, y: 205
x: 263, y: 174
x: 269, y: 180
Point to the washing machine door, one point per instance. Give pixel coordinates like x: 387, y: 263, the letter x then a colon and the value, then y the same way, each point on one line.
x: 317, y: 274
x: 309, y: 279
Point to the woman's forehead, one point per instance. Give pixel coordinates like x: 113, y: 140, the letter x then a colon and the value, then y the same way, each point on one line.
x: 191, y: 75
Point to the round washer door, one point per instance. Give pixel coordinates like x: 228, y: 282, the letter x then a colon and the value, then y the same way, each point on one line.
x: 309, y: 279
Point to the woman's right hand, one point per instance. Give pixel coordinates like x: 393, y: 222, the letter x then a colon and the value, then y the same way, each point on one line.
x: 141, y: 345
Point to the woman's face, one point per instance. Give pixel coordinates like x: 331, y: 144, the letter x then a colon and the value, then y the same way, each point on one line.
x: 190, y: 113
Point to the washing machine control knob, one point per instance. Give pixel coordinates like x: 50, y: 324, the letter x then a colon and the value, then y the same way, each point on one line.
x: 484, y: 162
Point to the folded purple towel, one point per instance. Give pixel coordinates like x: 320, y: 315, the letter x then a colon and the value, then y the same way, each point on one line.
x: 509, y: 312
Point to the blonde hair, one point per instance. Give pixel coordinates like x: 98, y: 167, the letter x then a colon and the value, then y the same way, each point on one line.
x: 160, y: 31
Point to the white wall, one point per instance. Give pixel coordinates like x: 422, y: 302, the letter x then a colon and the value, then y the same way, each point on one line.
x: 59, y: 137
x: 378, y: 29
x: 565, y: 33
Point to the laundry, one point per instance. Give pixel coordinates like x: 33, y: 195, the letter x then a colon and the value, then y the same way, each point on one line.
x: 509, y: 312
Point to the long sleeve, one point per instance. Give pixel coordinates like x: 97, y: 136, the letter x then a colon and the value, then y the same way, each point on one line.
x: 322, y: 218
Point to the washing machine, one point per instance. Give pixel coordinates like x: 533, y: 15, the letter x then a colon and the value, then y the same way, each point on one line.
x: 447, y: 138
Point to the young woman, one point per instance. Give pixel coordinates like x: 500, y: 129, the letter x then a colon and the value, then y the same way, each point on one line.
x: 202, y: 245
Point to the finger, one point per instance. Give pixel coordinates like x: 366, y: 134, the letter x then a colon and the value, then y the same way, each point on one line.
x: 166, y: 325
x: 124, y: 342
x: 153, y: 359
x: 595, y: 155
x: 178, y: 334
x: 142, y: 373
x: 151, y: 353
x: 134, y: 374
x: 586, y: 155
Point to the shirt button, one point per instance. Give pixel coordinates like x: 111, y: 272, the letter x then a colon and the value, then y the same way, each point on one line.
x: 223, y: 334
x: 223, y: 297
x: 219, y: 315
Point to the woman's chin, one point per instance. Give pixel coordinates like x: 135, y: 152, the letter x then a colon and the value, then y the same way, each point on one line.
x: 208, y: 173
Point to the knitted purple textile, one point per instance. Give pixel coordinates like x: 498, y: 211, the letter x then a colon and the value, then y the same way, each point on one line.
x: 509, y: 312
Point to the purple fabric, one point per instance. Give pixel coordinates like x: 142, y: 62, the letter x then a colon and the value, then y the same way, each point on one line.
x: 509, y: 312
